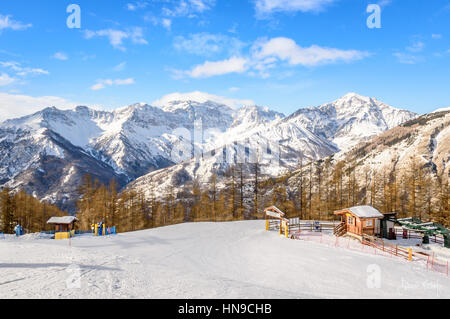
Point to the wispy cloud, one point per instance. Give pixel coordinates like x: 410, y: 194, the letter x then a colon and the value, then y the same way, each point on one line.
x: 164, y: 22
x: 134, y: 6
x: 5, y: 79
x: 416, y: 46
x: 6, y: 22
x: 120, y: 67
x: 22, y: 71
x: 206, y: 44
x: 60, y: 56
x: 412, y: 53
x: 102, y: 84
x: 187, y: 8
x: 384, y: 3
x: 267, y: 7
x: 407, y: 58
x: 117, y: 37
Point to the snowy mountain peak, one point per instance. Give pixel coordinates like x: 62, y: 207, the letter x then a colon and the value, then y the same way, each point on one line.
x: 350, y: 119
x: 255, y: 115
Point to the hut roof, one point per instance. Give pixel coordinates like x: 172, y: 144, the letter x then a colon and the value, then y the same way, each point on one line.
x: 364, y: 212
x: 276, y: 209
x: 66, y: 220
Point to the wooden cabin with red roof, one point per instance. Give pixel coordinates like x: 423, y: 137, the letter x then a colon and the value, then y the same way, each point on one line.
x: 357, y: 221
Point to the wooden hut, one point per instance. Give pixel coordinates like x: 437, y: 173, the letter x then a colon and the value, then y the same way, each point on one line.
x: 275, y: 220
x: 63, y: 224
x: 358, y: 220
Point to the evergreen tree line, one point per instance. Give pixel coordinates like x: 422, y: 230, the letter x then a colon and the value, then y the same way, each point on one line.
x: 23, y: 209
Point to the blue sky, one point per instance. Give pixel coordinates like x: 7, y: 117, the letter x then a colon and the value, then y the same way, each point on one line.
x: 277, y: 53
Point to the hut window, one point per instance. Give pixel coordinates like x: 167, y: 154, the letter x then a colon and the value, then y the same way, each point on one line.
x: 350, y: 220
x: 369, y: 223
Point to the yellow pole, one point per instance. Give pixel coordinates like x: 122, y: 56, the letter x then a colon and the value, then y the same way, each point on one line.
x: 267, y: 224
x: 286, y: 231
x: 410, y: 254
x: 96, y: 230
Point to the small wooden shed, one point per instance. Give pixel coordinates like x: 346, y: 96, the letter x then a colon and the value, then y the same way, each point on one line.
x: 359, y: 220
x: 63, y: 224
x: 275, y: 220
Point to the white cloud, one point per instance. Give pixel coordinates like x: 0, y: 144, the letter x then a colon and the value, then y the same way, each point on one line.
x: 7, y: 23
x: 137, y: 5
x: 406, y: 58
x: 436, y: 36
x: 267, y: 54
x: 188, y: 8
x: 417, y: 46
x: 286, y: 49
x: 384, y: 3
x: 128, y: 81
x: 60, y: 56
x: 411, y: 54
x: 166, y: 23
x: 5, y: 79
x: 209, y: 69
x: 206, y: 44
x: 120, y: 67
x: 102, y: 84
x: 201, y: 97
x: 14, y: 105
x: 117, y: 37
x: 265, y: 7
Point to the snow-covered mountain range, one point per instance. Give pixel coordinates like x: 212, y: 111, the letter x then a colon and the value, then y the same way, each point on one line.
x: 48, y: 152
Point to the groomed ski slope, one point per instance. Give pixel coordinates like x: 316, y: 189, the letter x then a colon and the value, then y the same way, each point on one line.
x: 205, y: 260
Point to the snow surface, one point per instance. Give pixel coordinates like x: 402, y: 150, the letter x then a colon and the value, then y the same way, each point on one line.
x: 205, y: 260
x: 366, y: 212
x: 62, y: 220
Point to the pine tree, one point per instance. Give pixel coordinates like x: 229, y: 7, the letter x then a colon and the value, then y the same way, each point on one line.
x: 7, y: 210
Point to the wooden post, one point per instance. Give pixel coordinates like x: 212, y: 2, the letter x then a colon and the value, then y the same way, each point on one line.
x: 267, y: 224
x: 286, y: 230
x: 410, y: 254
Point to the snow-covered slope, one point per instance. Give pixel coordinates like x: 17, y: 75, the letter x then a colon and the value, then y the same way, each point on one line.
x: 426, y: 139
x: 205, y: 260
